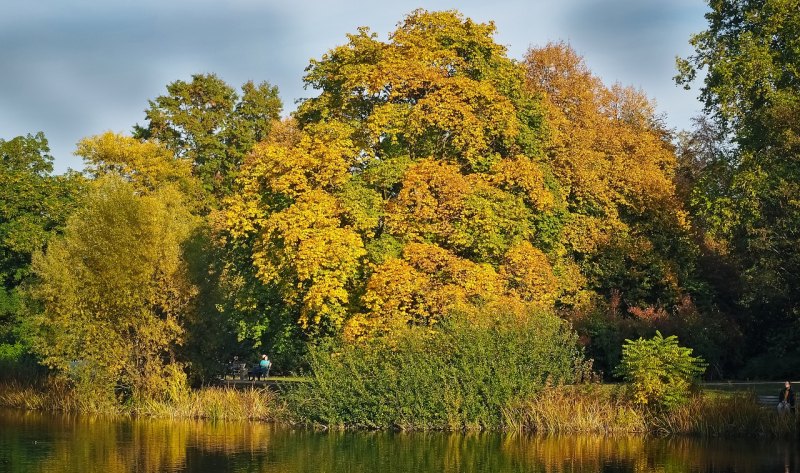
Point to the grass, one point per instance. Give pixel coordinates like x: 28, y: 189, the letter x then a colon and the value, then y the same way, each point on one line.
x: 218, y: 403
x: 604, y: 409
x: 732, y: 414
x: 599, y: 409
x: 214, y: 403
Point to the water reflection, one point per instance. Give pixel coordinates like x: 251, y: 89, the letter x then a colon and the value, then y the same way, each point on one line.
x: 35, y: 442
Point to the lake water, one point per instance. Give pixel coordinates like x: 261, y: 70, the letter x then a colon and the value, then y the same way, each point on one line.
x: 37, y: 442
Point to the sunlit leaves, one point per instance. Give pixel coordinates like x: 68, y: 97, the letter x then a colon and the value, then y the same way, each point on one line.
x: 312, y: 258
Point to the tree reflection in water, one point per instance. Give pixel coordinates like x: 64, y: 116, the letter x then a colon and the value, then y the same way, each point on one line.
x: 54, y: 443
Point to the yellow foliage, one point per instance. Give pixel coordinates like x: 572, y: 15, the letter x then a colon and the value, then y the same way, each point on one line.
x: 305, y: 250
x: 423, y: 88
x: 428, y: 284
x: 288, y: 165
x: 147, y: 165
x: 421, y: 149
x: 394, y: 298
x: 586, y: 234
x: 606, y: 146
x: 115, y: 289
x: 528, y: 274
x: 521, y: 174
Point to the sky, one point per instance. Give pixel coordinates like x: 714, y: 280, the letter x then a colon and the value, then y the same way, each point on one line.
x: 77, y: 68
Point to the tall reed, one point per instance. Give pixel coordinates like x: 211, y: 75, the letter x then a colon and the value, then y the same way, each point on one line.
x: 571, y: 409
x: 604, y: 409
x: 218, y: 403
x: 713, y: 414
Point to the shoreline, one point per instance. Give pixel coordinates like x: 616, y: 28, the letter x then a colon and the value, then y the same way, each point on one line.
x: 597, y: 409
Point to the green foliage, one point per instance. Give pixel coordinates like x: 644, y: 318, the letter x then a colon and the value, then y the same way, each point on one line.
x: 461, y: 375
x: 745, y: 198
x: 34, y: 206
x: 491, y: 221
x: 208, y: 124
x: 16, y: 363
x: 659, y: 372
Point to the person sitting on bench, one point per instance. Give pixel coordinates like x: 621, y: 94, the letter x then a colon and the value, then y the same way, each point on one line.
x: 262, y: 369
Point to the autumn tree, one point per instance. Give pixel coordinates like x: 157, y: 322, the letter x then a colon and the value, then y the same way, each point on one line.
x: 113, y: 291
x: 397, y: 172
x: 435, y: 174
x: 612, y: 157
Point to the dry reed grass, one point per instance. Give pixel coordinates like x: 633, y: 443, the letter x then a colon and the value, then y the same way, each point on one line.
x: 214, y: 403
x: 605, y: 410
x: 573, y: 409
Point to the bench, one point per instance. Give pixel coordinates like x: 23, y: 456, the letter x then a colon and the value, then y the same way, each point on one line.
x: 237, y: 370
x: 257, y: 372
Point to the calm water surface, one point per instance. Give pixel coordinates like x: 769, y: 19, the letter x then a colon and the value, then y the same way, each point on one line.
x: 36, y: 442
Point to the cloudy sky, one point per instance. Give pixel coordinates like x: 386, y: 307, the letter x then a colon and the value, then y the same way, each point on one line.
x: 75, y: 68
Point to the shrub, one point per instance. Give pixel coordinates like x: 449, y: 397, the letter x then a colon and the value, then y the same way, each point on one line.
x: 461, y: 375
x: 17, y: 364
x: 659, y: 372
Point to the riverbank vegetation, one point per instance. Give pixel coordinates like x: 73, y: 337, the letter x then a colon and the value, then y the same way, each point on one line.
x: 210, y: 403
x: 605, y: 409
x: 434, y: 238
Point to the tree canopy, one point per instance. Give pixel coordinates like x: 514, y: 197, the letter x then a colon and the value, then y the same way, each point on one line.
x: 206, y: 123
x: 750, y: 54
x: 433, y: 173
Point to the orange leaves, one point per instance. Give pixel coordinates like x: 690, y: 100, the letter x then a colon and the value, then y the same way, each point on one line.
x: 607, y: 146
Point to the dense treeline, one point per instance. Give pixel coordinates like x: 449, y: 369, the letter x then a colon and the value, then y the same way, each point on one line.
x: 431, y: 179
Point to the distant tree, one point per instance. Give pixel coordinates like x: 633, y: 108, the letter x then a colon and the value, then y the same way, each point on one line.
x: 208, y: 124
x: 612, y: 157
x: 750, y: 54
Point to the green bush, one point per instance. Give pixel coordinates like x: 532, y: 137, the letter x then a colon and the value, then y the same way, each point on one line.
x: 659, y: 372
x: 17, y: 364
x: 458, y: 376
